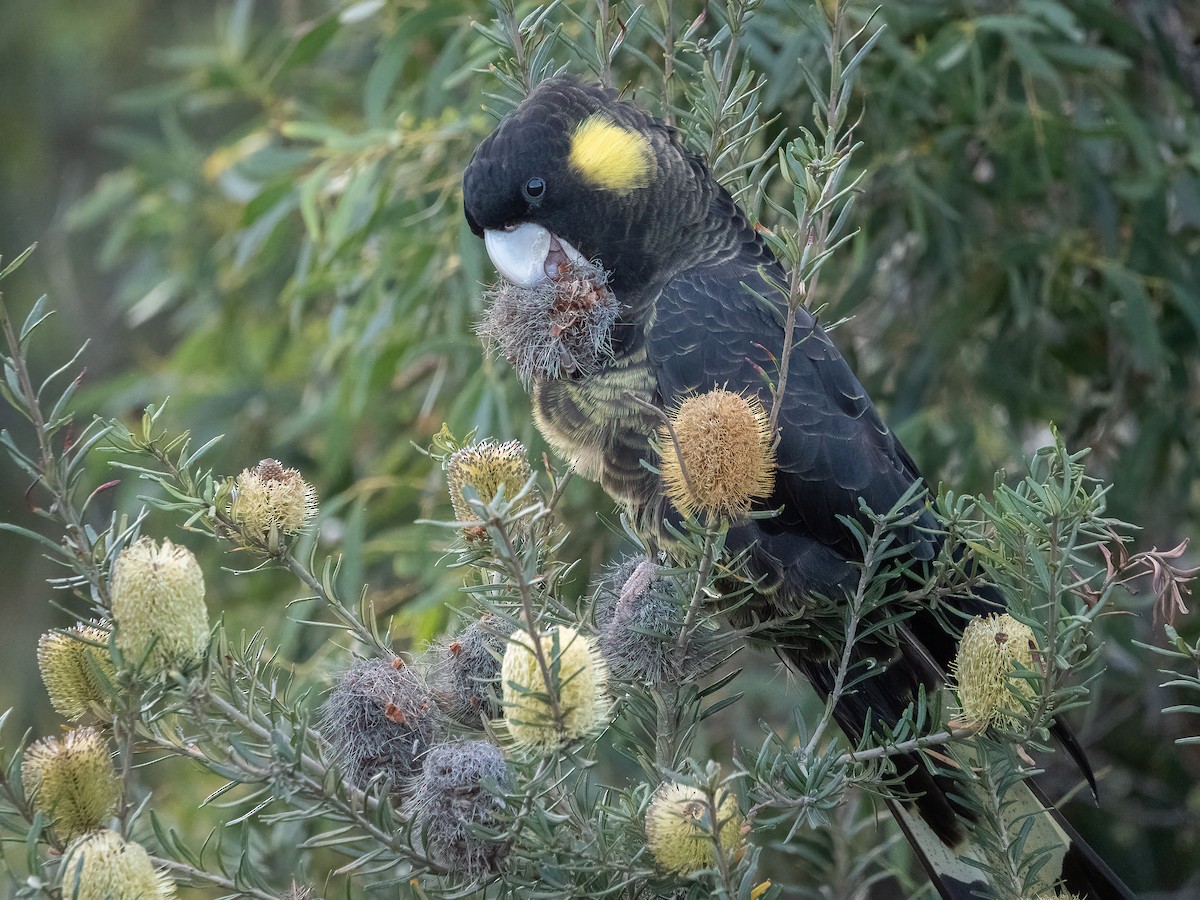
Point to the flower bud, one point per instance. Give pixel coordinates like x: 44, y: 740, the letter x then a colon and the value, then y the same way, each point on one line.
x: 270, y: 501
x: 453, y: 795
x: 71, y: 781
x: 679, y: 829
x: 158, y: 605
x: 77, y: 669
x: 724, y: 460
x: 578, y: 678
x: 985, y: 669
x: 486, y: 466
x: 103, y: 865
x: 380, y: 719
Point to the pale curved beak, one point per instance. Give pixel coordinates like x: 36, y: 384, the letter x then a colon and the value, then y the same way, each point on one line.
x: 527, y: 254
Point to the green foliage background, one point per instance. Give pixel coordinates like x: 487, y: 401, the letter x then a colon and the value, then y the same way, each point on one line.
x: 254, y: 208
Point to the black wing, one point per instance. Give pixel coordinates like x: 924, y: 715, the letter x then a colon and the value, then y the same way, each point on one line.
x: 723, y: 326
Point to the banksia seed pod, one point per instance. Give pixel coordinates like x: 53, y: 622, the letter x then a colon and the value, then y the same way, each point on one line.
x: 158, y: 607
x: 579, y: 677
x: 452, y: 796
x: 76, y: 668
x: 724, y: 460
x: 486, y: 466
x: 679, y: 832
x: 985, y: 670
x: 269, y: 500
x: 639, y: 616
x: 380, y: 718
x: 559, y: 326
x: 102, y: 865
x: 72, y: 781
x: 469, y: 671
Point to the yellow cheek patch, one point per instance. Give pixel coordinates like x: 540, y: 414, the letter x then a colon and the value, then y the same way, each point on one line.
x: 611, y: 157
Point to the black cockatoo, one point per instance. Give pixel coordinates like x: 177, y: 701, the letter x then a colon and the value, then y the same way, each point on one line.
x: 577, y: 175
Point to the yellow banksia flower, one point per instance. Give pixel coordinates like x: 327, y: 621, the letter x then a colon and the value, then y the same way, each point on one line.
x: 157, y: 596
x: 104, y: 866
x: 725, y: 459
x: 75, y: 670
x: 270, y: 500
x: 985, y: 670
x: 71, y: 781
x: 486, y: 466
x: 580, y: 679
x: 679, y: 833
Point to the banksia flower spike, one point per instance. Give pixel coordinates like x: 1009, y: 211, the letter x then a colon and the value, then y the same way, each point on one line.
x: 71, y: 781
x: 724, y: 460
x: 985, y: 670
x: 158, y: 607
x: 679, y: 830
x: 75, y: 666
x: 381, y: 718
x: 545, y: 716
x: 485, y: 467
x: 452, y: 796
x: 270, y: 502
x: 102, y: 865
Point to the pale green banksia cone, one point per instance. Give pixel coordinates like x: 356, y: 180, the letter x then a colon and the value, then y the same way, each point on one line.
x: 104, y: 866
x: 985, y: 670
x: 71, y: 781
x: 579, y: 679
x: 486, y: 466
x: 270, y: 501
x: 679, y: 830
x: 158, y: 605
x: 725, y: 458
x: 76, y: 671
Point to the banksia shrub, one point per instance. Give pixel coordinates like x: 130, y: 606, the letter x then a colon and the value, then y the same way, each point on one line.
x: 485, y: 467
x: 158, y: 605
x: 639, y: 616
x: 679, y: 830
x: 985, y: 670
x: 452, y: 796
x: 103, y: 865
x: 578, y: 681
x: 71, y: 781
x: 724, y: 460
x: 76, y: 668
x: 380, y: 718
x: 270, y: 500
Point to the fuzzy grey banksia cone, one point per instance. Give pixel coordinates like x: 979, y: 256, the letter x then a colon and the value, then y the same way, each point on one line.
x: 381, y: 718
x: 453, y: 796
